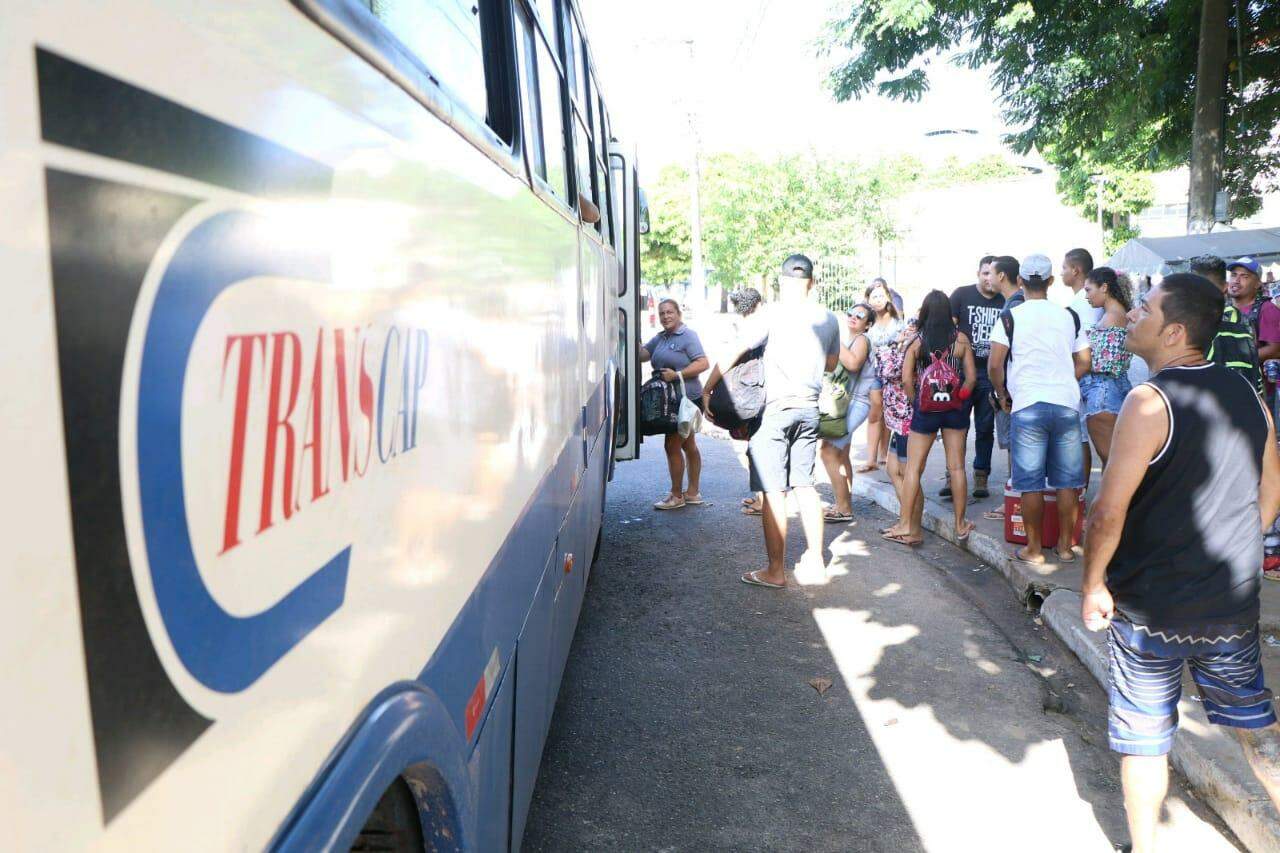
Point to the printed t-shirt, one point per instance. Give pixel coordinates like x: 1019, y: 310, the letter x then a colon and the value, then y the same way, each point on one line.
x: 801, y: 336
x: 1040, y: 365
x: 975, y: 314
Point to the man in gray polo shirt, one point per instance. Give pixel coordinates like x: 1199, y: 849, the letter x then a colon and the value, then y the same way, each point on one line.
x: 802, y: 341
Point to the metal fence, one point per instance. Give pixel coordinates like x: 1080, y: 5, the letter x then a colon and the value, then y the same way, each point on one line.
x: 840, y: 284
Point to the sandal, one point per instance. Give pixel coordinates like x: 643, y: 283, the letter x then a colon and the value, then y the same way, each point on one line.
x: 994, y: 514
x: 693, y: 500
x: 752, y: 510
x: 901, y: 539
x: 834, y: 516
x: 753, y: 578
x: 669, y: 502
x: 962, y: 537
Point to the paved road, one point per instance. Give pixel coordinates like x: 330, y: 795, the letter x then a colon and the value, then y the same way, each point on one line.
x: 686, y: 720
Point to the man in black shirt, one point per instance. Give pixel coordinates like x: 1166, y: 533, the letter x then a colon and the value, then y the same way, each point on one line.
x: 976, y: 308
x: 1174, y: 547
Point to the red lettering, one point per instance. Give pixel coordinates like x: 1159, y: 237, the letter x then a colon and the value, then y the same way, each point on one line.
x: 313, y: 432
x: 239, y: 420
x: 344, y: 416
x: 366, y: 408
x: 277, y: 422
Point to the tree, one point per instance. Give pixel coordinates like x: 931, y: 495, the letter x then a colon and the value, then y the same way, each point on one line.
x: 1103, y: 85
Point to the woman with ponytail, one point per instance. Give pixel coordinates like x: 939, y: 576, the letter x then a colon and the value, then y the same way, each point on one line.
x: 1104, y: 387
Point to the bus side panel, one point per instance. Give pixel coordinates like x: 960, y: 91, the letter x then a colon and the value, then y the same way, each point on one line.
x: 533, y: 670
x: 491, y: 770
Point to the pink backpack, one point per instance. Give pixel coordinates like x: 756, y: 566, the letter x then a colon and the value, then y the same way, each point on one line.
x: 939, y: 384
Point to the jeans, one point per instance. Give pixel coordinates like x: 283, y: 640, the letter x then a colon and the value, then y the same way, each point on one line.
x: 984, y: 424
x: 1046, y: 448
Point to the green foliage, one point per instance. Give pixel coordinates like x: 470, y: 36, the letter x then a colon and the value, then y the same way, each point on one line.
x: 755, y: 212
x: 1101, y: 86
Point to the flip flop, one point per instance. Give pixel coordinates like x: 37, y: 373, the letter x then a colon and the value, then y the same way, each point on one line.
x: 1020, y: 559
x: 994, y: 515
x: 751, y: 510
x: 901, y: 539
x: 748, y: 501
x: 837, y: 517
x: 752, y: 579
x: 1062, y: 559
x: 965, y: 536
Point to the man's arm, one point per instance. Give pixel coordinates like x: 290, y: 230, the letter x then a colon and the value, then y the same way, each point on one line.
x: 1140, y: 432
x: 970, y: 365
x: 995, y: 371
x: 1083, y: 362
x: 909, y: 369
x: 755, y: 331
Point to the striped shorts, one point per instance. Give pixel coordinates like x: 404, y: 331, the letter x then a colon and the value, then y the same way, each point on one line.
x: 1146, y: 682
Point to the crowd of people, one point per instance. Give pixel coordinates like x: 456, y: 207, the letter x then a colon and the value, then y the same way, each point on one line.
x: 1173, y: 388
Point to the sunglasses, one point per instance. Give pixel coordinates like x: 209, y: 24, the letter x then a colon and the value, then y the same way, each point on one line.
x: 857, y: 316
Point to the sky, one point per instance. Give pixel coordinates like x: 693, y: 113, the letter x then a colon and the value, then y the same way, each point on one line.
x: 755, y: 82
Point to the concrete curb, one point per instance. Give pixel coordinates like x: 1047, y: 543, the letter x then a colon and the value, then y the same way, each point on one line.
x: 1206, y: 755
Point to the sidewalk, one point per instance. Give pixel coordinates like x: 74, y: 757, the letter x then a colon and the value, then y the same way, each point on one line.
x: 1206, y: 755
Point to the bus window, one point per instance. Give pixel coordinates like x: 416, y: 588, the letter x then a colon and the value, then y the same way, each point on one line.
x: 618, y: 186
x: 553, y: 138
x: 579, y: 63
x: 527, y: 73
x: 582, y: 152
x: 445, y: 36
x: 546, y: 12
x: 601, y: 178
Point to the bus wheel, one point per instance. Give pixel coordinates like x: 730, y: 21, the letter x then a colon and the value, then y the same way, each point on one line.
x: 394, y: 826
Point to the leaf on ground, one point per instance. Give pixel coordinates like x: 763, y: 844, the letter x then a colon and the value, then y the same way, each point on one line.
x: 822, y: 685
x: 1035, y: 658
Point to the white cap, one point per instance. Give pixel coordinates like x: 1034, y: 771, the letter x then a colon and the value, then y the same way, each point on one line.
x: 1035, y: 265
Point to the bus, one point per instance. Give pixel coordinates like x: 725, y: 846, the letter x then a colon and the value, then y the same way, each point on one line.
x: 319, y: 349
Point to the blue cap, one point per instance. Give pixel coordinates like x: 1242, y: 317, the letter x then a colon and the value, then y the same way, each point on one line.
x: 1246, y: 263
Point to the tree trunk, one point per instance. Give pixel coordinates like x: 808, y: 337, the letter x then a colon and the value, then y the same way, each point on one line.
x: 1206, y: 132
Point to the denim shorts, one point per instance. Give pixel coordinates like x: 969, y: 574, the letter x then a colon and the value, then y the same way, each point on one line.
x: 877, y: 384
x: 898, y: 444
x: 782, y: 452
x: 1046, y: 448
x: 1101, y: 393
x: 1003, y: 428
x: 928, y: 423
x: 858, y: 411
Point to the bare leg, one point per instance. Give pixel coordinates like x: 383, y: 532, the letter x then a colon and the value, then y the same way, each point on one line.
x: 1032, y: 515
x: 953, y: 444
x: 694, y: 457
x: 918, y: 447
x: 775, y: 536
x: 811, y: 520
x: 675, y: 463
x: 1068, y: 500
x: 875, y: 429
x: 1101, y: 426
x: 1262, y: 748
x: 1146, y: 780
x: 836, y: 462
x: 1088, y: 460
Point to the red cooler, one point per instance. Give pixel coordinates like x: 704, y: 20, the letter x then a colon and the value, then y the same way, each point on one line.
x: 1016, y: 533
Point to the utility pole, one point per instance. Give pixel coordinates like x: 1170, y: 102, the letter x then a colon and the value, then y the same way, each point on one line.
x: 1206, y: 132
x: 697, y: 275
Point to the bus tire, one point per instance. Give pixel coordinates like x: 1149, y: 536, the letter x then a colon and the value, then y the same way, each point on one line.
x: 394, y: 826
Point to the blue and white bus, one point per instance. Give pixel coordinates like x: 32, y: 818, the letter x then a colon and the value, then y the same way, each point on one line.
x: 314, y: 366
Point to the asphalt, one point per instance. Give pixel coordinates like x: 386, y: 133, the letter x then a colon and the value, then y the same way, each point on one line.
x: 689, y: 719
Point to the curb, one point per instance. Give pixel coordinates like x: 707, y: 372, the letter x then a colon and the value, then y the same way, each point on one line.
x: 1206, y: 755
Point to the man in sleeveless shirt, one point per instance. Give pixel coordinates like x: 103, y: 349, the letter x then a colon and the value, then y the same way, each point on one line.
x: 1174, y: 549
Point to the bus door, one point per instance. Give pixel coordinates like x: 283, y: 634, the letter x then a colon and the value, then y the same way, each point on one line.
x: 633, y: 220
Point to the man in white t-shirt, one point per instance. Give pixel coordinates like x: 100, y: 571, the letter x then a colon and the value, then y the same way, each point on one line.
x: 1037, y: 358
x: 1076, y: 266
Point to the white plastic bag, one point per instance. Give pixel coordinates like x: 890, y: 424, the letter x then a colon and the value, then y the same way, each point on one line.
x: 689, y: 420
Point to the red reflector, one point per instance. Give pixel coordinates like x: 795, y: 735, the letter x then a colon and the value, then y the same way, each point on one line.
x: 568, y: 563
x: 475, y: 707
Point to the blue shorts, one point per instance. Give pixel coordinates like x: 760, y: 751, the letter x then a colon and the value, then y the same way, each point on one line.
x: 858, y: 411
x: 928, y: 423
x: 1101, y: 393
x: 1146, y: 682
x: 782, y: 452
x: 877, y: 384
x: 1046, y: 448
x: 898, y: 444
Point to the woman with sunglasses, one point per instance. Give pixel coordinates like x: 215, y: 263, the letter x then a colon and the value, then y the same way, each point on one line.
x: 858, y: 359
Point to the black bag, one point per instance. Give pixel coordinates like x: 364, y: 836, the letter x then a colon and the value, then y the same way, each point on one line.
x: 738, y: 401
x: 659, y: 407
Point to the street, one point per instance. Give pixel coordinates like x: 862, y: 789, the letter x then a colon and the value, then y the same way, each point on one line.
x: 911, y: 703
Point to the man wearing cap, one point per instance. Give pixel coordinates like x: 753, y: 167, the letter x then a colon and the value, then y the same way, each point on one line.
x: 803, y: 343
x: 1245, y: 289
x: 1234, y: 346
x: 1042, y: 351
